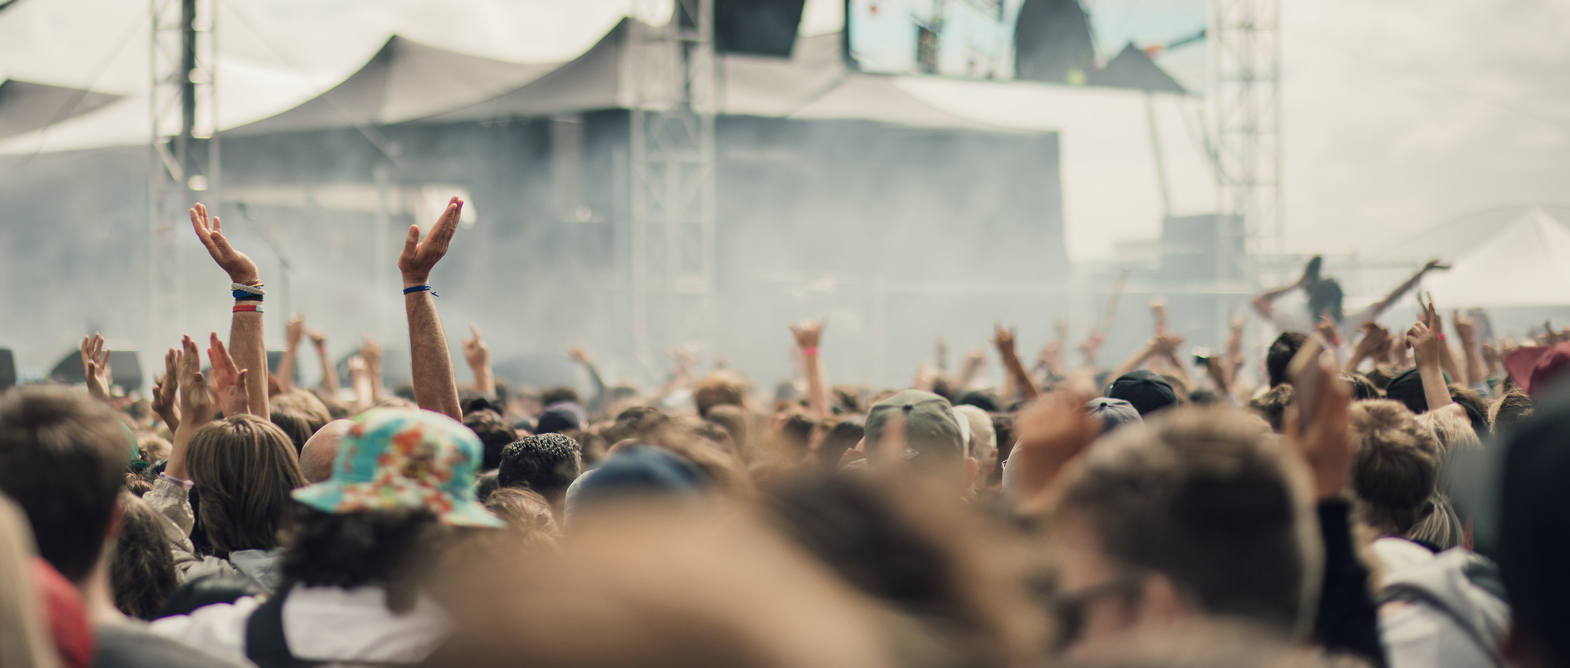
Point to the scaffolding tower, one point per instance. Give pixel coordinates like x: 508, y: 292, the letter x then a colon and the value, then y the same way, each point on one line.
x: 1247, y: 61
x: 672, y: 236
x: 182, y: 148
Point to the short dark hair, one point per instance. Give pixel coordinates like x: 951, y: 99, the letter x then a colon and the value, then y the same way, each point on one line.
x: 1205, y: 497
x: 495, y: 435
x: 545, y: 463
x: 141, y: 569
x: 1514, y: 407
x: 63, y: 459
x: 1272, y: 405
x: 299, y: 414
x: 1280, y: 355
x: 1324, y: 298
x: 391, y: 548
x: 1362, y: 388
x: 556, y: 395
x: 1395, y: 468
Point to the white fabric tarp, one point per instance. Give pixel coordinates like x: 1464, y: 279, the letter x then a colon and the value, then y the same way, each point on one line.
x: 1528, y: 264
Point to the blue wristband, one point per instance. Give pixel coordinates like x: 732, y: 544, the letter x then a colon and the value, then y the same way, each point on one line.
x: 419, y: 288
x: 247, y: 296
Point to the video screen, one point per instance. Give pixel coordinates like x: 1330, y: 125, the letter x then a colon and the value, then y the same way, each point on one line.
x: 1154, y: 45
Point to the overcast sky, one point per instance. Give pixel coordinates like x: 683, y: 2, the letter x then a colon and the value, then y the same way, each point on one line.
x: 1400, y: 114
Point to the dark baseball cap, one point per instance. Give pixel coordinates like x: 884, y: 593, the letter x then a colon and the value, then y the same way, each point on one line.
x: 1145, y: 390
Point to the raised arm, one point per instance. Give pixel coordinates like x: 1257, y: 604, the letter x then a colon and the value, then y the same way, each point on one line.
x: 196, y: 406
x: 1264, y: 302
x: 329, y: 374
x: 166, y: 400
x: 1019, y: 382
x: 245, y: 327
x: 1447, y: 359
x: 1467, y: 331
x: 807, y: 335
x: 1379, y: 307
x: 1427, y: 348
x: 371, y: 352
x: 95, y: 366
x: 293, y: 330
x: 581, y: 355
x: 478, y: 355
x: 435, y: 388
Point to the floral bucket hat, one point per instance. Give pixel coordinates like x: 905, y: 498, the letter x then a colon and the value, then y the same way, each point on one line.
x: 404, y: 459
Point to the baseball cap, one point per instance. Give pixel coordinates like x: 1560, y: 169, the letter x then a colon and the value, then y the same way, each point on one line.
x: 1113, y: 413
x: 397, y: 458
x: 1535, y: 368
x: 1144, y: 390
x: 932, y: 435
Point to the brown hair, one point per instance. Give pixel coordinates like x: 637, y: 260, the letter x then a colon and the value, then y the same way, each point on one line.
x: 1207, y: 497
x: 141, y: 568
x: 721, y: 388
x: 1395, y: 468
x: 63, y: 458
x: 1272, y: 405
x: 524, y: 510
x: 299, y: 414
x: 244, y: 469
x: 1513, y: 408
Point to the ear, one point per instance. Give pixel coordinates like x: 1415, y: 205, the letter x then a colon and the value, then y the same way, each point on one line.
x: 971, y: 467
x: 1161, y: 604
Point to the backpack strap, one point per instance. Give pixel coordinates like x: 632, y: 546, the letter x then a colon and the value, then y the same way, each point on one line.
x: 265, y: 644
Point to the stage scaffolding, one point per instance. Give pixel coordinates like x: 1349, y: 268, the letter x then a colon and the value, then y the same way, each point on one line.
x: 672, y: 235
x: 183, y: 150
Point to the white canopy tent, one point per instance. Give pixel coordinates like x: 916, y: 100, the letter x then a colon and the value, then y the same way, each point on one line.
x: 1526, y: 265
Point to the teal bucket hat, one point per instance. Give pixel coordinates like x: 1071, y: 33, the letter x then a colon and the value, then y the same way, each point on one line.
x: 394, y: 459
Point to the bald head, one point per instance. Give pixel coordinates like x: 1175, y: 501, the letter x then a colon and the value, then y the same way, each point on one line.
x: 316, y: 458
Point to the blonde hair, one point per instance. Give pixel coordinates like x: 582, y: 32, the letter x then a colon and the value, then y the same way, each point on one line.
x: 24, y: 642
x: 1452, y: 428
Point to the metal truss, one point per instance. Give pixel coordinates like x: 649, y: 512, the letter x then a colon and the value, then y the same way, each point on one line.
x: 672, y: 235
x: 1246, y: 55
x: 182, y: 148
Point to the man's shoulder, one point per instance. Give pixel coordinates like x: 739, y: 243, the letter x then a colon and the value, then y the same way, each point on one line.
x: 132, y: 645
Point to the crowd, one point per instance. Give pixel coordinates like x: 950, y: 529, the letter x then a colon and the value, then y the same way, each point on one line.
x: 1155, y: 513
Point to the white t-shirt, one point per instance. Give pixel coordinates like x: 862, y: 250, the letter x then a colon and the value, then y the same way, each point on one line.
x: 328, y: 624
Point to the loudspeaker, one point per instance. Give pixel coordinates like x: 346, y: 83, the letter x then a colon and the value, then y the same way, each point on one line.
x: 7, y: 369
x: 1052, y: 42
x: 758, y: 27
x: 124, y: 364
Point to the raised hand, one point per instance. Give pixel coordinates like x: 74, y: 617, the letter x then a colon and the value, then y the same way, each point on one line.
x: 419, y: 257
x: 95, y: 366
x: 1053, y: 430
x: 294, y: 329
x: 1167, y: 344
x: 371, y: 354
x: 1003, y: 339
x: 1424, y: 344
x: 808, y: 332
x: 580, y: 355
x: 1325, y: 443
x: 239, y: 266
x: 475, y: 350
x: 165, y: 391
x: 318, y: 338
x: 228, y: 379
x: 196, y: 405
x: 1435, y: 265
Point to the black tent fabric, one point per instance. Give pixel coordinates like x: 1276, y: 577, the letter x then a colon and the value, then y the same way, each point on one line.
x: 1131, y: 68
x: 26, y: 106
x: 404, y: 81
